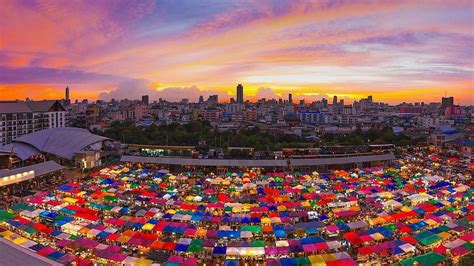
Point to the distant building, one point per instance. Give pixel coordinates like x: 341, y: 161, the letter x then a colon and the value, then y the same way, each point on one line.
x: 134, y: 112
x: 452, y: 110
x: 334, y: 100
x: 145, y: 99
x: 213, y: 98
x: 212, y: 115
x: 290, y: 98
x: 310, y: 117
x: 240, y: 93
x: 19, y: 118
x: 446, y: 101
x: 411, y: 110
x: 67, y: 100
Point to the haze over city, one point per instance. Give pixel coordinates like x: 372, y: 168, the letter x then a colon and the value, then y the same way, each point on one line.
x: 394, y: 50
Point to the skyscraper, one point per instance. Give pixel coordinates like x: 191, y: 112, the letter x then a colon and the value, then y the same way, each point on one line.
x: 447, y: 101
x: 240, y: 93
x: 67, y: 100
x: 290, y: 98
x: 145, y: 99
x: 334, y: 100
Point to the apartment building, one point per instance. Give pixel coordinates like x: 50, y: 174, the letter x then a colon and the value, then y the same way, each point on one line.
x: 18, y: 118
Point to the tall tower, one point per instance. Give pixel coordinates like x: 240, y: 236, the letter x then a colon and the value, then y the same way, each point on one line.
x: 334, y: 100
x: 240, y: 93
x: 68, y: 101
x: 290, y: 98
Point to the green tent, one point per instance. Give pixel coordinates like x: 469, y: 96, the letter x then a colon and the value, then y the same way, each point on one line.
x: 22, y: 206
x: 251, y: 228
x: 194, y: 248
x: 427, y: 238
x: 303, y: 261
x: 111, y: 198
x: 443, y: 228
x: 258, y: 243
x: 197, y: 242
x: 390, y: 227
x: 468, y: 245
x: 4, y: 215
x: 30, y: 230
x: 428, y: 259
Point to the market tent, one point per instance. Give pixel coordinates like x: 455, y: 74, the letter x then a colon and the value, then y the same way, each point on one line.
x: 430, y: 258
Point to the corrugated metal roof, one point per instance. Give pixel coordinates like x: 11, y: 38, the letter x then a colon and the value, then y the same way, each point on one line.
x: 257, y: 163
x: 40, y: 106
x: 205, y: 162
x: 14, y: 107
x: 342, y: 160
x: 63, y: 142
x: 22, y: 150
x: 40, y: 169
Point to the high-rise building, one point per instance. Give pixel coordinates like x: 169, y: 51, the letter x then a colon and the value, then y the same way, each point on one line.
x: 240, y: 93
x: 201, y: 99
x: 447, y: 101
x: 67, y: 100
x: 290, y: 98
x: 18, y: 118
x: 334, y: 100
x: 145, y: 99
x: 370, y: 100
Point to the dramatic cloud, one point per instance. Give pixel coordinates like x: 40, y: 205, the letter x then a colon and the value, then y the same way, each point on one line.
x: 135, y: 89
x: 24, y: 75
x: 349, y: 48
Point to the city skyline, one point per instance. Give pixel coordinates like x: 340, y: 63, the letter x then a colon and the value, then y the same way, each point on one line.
x: 398, y: 52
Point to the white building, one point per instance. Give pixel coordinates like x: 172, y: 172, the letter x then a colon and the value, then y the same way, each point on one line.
x: 18, y: 118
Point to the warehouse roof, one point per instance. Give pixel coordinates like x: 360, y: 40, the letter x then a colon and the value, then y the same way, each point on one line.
x: 62, y: 142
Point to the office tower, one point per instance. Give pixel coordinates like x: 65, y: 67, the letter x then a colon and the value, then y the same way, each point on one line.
x: 447, y: 101
x: 240, y: 93
x: 369, y: 99
x: 145, y: 99
x: 334, y: 100
x: 201, y: 99
x: 290, y: 98
x: 68, y: 101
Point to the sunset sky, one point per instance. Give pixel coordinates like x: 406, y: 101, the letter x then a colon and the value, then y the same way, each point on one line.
x: 394, y: 50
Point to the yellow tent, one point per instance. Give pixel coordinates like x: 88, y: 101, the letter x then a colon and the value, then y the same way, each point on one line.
x: 317, y: 260
x: 148, y: 226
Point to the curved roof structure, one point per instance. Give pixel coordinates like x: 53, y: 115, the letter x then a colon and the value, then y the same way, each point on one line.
x: 22, y: 150
x: 63, y: 142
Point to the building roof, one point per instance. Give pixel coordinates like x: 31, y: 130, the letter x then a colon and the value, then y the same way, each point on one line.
x: 42, y: 106
x: 21, y: 150
x: 63, y: 142
x: 257, y: 163
x: 29, y: 106
x: 205, y: 162
x: 342, y: 160
x: 9, y: 107
x: 39, y: 169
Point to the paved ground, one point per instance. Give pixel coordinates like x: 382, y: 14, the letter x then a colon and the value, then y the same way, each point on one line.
x: 11, y: 255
